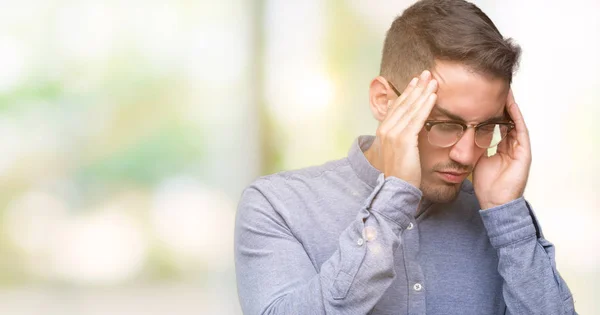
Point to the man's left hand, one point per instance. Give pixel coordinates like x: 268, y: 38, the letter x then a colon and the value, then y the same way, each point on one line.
x: 502, y: 177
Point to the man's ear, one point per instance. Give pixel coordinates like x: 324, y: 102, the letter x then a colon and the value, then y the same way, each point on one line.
x: 380, y: 96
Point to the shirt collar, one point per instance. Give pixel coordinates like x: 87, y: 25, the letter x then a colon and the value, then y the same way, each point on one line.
x: 361, y: 166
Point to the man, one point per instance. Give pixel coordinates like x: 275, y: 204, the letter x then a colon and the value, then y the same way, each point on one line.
x: 396, y: 228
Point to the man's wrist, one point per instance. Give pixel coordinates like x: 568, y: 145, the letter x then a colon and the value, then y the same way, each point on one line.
x: 488, y: 205
x: 485, y: 205
x: 396, y: 199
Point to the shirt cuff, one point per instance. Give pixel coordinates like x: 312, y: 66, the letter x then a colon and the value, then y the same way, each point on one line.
x: 396, y: 199
x: 508, y: 223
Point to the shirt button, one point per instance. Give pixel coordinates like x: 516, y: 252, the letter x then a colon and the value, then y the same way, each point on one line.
x: 410, y: 226
x: 417, y: 287
x: 360, y: 242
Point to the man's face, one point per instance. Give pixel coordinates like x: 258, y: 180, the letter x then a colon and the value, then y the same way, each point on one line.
x: 465, y: 96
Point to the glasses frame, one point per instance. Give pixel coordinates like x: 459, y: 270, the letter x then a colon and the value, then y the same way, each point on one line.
x: 394, y: 88
x: 430, y: 123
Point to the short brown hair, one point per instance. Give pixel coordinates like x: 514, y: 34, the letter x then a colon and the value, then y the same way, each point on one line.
x: 453, y: 30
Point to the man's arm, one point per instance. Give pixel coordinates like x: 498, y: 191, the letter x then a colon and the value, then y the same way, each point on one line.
x: 532, y: 285
x: 276, y: 276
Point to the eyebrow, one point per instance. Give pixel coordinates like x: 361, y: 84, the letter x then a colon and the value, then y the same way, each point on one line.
x: 458, y: 118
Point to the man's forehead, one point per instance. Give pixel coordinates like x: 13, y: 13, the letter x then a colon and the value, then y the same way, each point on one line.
x: 453, y: 74
x: 446, y: 72
x: 440, y: 110
x: 466, y: 95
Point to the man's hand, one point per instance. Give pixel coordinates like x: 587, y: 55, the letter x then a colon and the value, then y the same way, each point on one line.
x: 398, y: 132
x: 501, y: 178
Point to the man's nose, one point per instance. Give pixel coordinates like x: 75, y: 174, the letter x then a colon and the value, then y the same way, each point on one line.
x: 463, y: 151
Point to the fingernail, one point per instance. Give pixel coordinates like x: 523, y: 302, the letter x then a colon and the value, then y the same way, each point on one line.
x: 425, y: 75
x: 414, y: 81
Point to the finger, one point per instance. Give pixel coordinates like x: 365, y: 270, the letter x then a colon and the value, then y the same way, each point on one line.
x: 421, y: 101
x: 418, y: 120
x: 395, y: 105
x: 521, y: 129
x: 424, y: 79
x: 510, y: 98
x: 409, y: 88
x: 419, y: 105
x: 406, y: 105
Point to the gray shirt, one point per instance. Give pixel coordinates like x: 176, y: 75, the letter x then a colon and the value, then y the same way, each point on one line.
x: 341, y: 239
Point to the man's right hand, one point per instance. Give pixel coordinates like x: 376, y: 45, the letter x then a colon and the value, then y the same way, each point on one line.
x: 398, y: 132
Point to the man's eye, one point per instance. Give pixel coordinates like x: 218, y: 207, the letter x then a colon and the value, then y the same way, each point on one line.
x: 448, y: 127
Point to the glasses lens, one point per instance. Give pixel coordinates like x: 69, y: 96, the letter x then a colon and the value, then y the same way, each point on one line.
x: 489, y: 135
x: 445, y: 134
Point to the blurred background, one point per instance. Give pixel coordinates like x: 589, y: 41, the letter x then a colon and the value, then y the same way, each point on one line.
x: 128, y: 130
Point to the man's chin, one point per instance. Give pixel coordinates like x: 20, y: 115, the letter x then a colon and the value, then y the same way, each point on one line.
x: 440, y: 192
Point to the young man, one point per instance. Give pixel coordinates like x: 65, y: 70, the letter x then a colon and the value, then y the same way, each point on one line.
x: 396, y: 228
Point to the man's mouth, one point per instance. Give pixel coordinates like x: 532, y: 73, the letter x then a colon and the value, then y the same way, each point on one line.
x: 453, y: 176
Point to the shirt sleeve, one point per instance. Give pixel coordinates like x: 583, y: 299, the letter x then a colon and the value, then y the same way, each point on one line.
x: 276, y: 276
x: 531, y: 282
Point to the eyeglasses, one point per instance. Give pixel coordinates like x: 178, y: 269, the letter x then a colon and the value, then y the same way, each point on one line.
x: 443, y: 133
x: 446, y: 133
